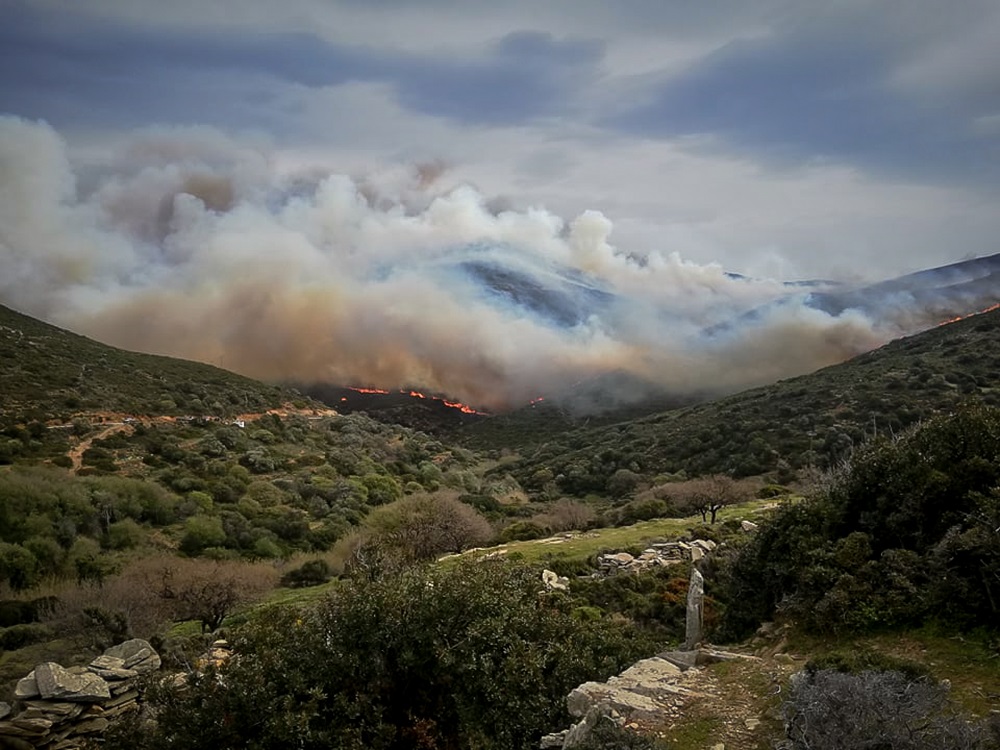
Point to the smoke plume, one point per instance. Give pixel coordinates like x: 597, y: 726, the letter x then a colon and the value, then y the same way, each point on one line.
x: 191, y: 244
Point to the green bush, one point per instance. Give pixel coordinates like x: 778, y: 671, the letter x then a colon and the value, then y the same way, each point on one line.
x: 472, y: 657
x: 19, y: 636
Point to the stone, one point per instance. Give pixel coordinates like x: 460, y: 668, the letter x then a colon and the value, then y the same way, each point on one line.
x: 554, y: 740
x: 91, y: 726
x: 136, y: 654
x: 131, y: 695
x: 695, y: 610
x: 706, y: 544
x: 748, y: 526
x: 751, y: 724
x: 684, y: 660
x: 27, y: 687
x: 554, y: 582
x: 697, y: 553
x: 55, y: 682
x: 621, y: 558
x: 25, y: 727
x: 4, y: 709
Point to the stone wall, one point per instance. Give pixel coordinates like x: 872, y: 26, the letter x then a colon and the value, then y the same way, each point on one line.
x: 58, y: 708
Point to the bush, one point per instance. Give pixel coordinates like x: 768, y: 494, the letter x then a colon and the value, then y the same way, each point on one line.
x: 469, y: 657
x: 310, y: 573
x: 19, y: 636
x: 831, y: 710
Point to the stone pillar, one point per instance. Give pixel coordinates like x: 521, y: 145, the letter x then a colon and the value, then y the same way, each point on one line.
x: 695, y: 610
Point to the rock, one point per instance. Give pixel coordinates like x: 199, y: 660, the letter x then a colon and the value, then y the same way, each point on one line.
x: 748, y: 526
x: 55, y: 682
x: 697, y: 553
x: 136, y: 654
x: 752, y: 724
x: 620, y: 558
x: 4, y: 709
x: 554, y: 740
x: 25, y: 727
x: 554, y: 582
x: 706, y: 544
x: 55, y: 711
x: 13, y: 743
x: 131, y: 695
x: 27, y: 687
x: 111, y: 668
x: 695, y: 605
x: 90, y: 726
x: 684, y: 660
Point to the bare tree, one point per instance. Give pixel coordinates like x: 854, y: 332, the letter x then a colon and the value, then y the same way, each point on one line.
x: 707, y: 495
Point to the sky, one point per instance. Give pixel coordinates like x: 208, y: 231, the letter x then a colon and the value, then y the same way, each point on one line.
x: 169, y: 163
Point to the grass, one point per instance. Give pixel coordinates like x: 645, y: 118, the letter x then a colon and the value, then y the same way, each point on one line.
x: 582, y: 545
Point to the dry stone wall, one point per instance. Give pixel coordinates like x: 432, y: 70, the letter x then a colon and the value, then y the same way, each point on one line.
x: 59, y: 708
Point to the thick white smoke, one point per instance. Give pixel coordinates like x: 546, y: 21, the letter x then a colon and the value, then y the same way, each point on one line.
x: 191, y: 244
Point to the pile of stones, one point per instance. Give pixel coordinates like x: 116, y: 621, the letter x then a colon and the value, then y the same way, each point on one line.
x: 658, y: 554
x: 59, y: 709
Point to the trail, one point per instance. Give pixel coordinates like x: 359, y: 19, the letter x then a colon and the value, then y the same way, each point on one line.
x: 76, y: 452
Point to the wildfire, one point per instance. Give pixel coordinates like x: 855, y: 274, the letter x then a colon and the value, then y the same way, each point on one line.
x: 464, y: 408
x: 991, y: 308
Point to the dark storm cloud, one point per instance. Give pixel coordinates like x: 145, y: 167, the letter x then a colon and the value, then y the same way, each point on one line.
x: 81, y: 70
x: 822, y: 93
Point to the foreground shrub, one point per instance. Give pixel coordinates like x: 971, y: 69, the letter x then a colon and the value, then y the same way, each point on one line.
x: 832, y: 710
x: 469, y: 657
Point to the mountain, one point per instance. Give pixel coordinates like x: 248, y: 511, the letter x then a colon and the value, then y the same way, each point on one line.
x: 811, y: 420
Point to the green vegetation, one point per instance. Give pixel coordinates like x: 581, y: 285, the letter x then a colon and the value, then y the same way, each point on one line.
x: 467, y: 657
x: 908, y: 532
x: 779, y: 430
x: 50, y: 373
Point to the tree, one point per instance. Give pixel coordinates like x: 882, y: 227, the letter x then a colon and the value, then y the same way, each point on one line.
x: 706, y: 495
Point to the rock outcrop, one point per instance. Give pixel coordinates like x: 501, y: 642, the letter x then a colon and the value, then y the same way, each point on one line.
x: 59, y: 708
x: 639, y: 698
x: 657, y: 555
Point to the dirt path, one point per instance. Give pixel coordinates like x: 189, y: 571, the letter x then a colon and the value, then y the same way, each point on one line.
x: 77, y: 451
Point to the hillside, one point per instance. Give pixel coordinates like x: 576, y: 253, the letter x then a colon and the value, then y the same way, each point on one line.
x: 47, y: 373
x: 811, y: 420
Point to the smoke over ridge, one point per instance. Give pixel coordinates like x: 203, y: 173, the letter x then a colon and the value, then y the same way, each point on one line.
x: 192, y: 244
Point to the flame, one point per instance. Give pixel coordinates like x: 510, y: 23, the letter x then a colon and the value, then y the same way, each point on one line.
x: 464, y: 408
x: 991, y: 308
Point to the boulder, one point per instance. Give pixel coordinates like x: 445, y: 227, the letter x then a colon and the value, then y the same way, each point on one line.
x: 57, y: 683
x: 748, y: 526
x: 554, y: 582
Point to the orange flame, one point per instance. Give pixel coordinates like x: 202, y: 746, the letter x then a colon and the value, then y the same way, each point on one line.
x: 991, y: 308
x: 464, y: 408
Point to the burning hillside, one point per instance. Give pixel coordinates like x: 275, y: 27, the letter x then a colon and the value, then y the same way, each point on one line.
x: 195, y: 247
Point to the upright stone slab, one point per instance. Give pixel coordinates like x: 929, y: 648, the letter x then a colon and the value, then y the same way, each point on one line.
x: 695, y: 610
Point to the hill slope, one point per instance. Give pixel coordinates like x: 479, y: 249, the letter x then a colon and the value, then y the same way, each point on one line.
x: 49, y: 373
x: 809, y: 420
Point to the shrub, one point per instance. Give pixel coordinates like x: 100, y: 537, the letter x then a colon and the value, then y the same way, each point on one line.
x: 310, y: 573
x: 469, y: 657
x: 831, y: 710
x: 19, y: 636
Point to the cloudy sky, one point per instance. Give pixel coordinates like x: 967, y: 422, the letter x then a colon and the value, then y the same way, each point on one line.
x: 853, y: 139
